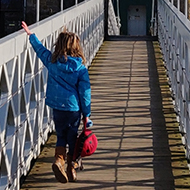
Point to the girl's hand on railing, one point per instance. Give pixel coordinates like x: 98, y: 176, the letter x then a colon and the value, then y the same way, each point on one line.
x: 25, y: 27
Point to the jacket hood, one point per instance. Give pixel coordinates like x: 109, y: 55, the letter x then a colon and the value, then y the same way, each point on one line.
x: 71, y: 65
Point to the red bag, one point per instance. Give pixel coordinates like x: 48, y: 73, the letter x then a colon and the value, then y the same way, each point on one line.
x: 86, y: 144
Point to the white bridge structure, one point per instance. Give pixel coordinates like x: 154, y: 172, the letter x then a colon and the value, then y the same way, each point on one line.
x: 25, y: 120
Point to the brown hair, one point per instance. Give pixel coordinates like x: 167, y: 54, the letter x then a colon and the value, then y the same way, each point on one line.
x: 67, y: 43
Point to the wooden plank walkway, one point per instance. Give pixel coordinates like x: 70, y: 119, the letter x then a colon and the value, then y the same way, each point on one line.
x: 139, y: 143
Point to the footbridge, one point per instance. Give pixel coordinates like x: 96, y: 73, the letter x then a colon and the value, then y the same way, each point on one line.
x: 140, y: 101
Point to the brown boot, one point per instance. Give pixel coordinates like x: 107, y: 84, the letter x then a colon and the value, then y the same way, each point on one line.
x: 71, y: 172
x: 58, y: 165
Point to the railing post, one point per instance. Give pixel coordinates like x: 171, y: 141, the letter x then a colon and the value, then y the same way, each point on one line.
x: 186, y: 9
x: 106, y: 19
x: 37, y: 10
x: 178, y: 5
x: 61, y: 5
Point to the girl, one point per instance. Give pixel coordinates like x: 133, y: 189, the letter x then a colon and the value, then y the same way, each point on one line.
x: 68, y: 94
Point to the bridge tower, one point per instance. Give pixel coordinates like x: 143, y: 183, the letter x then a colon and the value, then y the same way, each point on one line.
x: 135, y: 17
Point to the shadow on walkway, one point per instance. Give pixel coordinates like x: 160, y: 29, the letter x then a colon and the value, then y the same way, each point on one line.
x: 139, y: 145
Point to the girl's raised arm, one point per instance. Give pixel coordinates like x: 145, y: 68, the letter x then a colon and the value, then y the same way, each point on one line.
x: 25, y: 27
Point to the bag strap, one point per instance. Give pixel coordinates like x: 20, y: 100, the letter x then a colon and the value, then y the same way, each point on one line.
x: 85, y: 123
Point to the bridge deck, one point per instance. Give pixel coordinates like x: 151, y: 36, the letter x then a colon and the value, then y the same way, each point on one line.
x: 139, y: 143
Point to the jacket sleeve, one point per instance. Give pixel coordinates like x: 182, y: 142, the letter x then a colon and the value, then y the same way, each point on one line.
x: 43, y: 53
x: 84, y: 90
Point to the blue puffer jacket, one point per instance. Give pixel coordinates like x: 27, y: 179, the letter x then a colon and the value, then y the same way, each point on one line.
x: 68, y: 85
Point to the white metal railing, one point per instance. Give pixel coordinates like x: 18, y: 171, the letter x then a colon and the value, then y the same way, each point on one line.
x: 113, y: 21
x: 174, y: 38
x: 25, y: 120
x: 153, y: 26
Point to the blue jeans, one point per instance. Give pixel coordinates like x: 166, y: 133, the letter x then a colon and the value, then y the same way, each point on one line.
x: 66, y: 126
